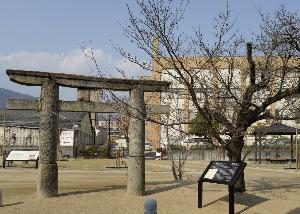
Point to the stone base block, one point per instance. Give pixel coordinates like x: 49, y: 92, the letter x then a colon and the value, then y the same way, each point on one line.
x: 136, y: 176
x: 47, y: 180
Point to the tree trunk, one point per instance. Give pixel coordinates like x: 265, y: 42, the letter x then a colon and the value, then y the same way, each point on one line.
x: 174, y: 171
x: 234, y: 149
x: 127, y: 142
x: 240, y: 184
x: 180, y: 170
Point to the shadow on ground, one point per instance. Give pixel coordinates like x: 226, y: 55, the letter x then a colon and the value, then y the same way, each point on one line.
x: 294, y: 211
x: 246, y: 199
x: 12, y: 204
x: 106, y: 188
x: 264, y: 185
x: 168, y: 185
x: 163, y: 186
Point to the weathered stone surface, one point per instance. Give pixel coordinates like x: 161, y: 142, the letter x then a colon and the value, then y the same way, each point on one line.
x: 47, y: 180
x: 49, y: 138
x: 20, y: 104
x: 79, y: 81
x: 137, y: 123
x: 81, y: 106
x: 49, y: 116
x: 83, y: 94
x: 136, y: 162
x: 49, y: 106
x: 136, y: 176
x: 96, y: 95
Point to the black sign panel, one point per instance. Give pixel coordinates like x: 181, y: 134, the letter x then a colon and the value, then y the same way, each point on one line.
x: 223, y: 172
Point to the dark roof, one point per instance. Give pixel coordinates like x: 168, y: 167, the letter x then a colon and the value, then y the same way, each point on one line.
x: 277, y: 129
x: 31, y: 119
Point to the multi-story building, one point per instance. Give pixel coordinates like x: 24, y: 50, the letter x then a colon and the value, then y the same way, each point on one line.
x: 178, y: 97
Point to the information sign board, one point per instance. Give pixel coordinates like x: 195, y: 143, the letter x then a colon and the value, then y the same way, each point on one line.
x: 23, y: 155
x: 67, y: 138
x: 221, y: 172
x: 224, y: 172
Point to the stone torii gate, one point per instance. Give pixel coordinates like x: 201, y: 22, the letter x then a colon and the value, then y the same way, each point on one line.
x: 50, y: 105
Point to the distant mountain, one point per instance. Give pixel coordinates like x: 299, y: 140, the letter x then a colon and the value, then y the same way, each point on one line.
x: 9, y: 94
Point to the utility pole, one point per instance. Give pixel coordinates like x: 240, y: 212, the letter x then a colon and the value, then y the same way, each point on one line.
x: 109, y: 128
x: 4, y: 131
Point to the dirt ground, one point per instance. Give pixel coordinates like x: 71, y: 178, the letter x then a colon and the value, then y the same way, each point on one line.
x: 95, y: 189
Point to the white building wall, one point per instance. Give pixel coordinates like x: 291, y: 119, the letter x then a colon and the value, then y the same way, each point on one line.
x: 175, y: 98
x: 20, y: 136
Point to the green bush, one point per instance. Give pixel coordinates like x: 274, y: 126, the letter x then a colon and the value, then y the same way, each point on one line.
x: 94, y: 151
x: 103, y: 151
x: 91, y: 151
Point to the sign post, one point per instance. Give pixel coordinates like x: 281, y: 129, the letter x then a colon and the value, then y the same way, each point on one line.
x: 200, y: 187
x: 231, y: 199
x: 221, y: 172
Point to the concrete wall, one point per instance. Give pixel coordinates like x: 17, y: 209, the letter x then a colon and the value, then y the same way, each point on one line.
x: 23, y: 136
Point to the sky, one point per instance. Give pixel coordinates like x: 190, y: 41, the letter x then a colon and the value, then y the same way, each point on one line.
x: 46, y: 35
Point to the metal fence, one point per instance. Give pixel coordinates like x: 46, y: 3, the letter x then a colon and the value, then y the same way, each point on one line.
x: 218, y: 154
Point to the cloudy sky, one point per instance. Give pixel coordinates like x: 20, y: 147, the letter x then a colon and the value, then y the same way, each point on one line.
x: 46, y: 35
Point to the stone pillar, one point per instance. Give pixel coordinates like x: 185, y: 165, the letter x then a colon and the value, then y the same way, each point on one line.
x: 47, y: 181
x: 136, y: 162
x: 91, y: 95
x: 83, y: 94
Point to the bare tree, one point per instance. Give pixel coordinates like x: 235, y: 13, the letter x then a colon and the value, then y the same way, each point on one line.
x: 176, y: 140
x: 223, y: 87
x: 123, y: 126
